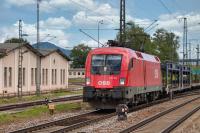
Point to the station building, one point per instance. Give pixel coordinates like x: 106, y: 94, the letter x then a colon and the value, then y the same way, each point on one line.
x: 54, y: 68
x: 76, y: 72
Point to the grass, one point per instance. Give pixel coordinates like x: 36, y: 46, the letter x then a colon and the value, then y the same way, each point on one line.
x: 76, y: 80
x: 51, y: 95
x: 37, y: 112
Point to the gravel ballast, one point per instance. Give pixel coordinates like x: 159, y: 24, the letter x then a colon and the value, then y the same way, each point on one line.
x: 112, y: 125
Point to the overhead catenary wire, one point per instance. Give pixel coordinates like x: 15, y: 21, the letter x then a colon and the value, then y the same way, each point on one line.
x: 152, y: 28
x: 150, y: 25
x: 107, y: 18
x: 91, y: 37
x: 100, y: 29
x: 168, y: 10
x: 163, y: 4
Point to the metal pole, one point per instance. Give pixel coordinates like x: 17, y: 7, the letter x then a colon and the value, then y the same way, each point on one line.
x: 38, y: 57
x: 19, y: 86
x: 172, y: 47
x: 98, y: 34
x: 122, y: 37
x: 185, y: 52
x: 99, y: 22
x: 190, y: 56
x: 197, y: 61
x: 186, y: 45
x: 197, y: 55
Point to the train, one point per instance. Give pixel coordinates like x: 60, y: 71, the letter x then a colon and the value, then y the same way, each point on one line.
x: 117, y: 75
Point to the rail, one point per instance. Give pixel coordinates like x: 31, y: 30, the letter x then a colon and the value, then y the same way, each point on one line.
x: 68, y: 124
x: 40, y: 102
x: 181, y: 120
x: 151, y: 119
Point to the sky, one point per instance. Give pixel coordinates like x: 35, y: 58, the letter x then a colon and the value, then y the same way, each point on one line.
x: 61, y: 20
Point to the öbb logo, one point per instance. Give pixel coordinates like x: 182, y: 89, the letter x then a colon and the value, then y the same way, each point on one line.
x: 103, y: 82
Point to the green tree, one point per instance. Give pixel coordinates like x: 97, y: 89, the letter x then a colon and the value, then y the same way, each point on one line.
x: 137, y: 39
x: 79, y: 54
x: 164, y: 44
x: 167, y: 44
x: 16, y: 40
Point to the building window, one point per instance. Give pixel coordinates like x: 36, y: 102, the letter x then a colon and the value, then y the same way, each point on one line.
x: 35, y: 76
x: 55, y: 76
x: 46, y: 76
x: 5, y: 76
x: 32, y: 76
x: 20, y: 78
x: 61, y: 81
x: 83, y: 73
x: 43, y: 74
x: 63, y: 76
x: 24, y: 76
x: 70, y: 73
x: 79, y: 73
x: 74, y: 73
x: 10, y: 76
x: 52, y: 77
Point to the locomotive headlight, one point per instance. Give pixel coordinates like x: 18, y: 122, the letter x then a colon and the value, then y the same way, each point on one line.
x: 87, y: 81
x: 122, y: 81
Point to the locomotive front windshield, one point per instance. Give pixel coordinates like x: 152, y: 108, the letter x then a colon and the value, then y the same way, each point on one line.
x: 106, y: 64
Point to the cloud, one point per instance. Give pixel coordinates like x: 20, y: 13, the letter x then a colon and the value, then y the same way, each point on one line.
x: 85, y: 11
x: 20, y: 2
x: 92, y: 43
x: 56, y: 23
x: 51, y: 30
x: 97, y: 13
x: 175, y: 21
x: 52, y: 5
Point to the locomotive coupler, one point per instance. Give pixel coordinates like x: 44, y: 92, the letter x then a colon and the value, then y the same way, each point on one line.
x: 122, y: 111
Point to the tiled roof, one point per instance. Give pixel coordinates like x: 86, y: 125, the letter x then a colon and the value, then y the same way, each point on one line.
x: 8, y: 47
x: 46, y: 52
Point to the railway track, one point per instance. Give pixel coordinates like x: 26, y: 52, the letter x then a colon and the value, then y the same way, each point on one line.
x: 34, y: 103
x: 69, y: 124
x: 181, y: 120
x: 167, y: 120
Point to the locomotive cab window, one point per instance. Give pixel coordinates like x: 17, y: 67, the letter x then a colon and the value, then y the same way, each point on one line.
x: 106, y: 64
x: 130, y: 65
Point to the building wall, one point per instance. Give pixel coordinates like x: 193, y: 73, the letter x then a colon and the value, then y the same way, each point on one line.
x: 57, y: 65
x: 1, y: 75
x: 10, y: 62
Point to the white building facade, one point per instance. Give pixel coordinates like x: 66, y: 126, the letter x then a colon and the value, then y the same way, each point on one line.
x: 77, y: 73
x: 54, y: 69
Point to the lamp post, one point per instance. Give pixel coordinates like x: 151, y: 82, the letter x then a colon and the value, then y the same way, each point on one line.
x: 99, y: 22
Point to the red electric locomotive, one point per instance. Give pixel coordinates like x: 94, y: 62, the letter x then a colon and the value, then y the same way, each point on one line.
x: 117, y: 75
